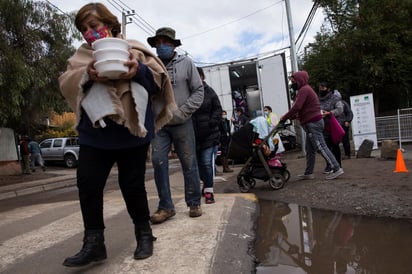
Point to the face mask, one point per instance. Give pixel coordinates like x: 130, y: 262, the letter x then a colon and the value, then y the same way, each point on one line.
x: 294, y: 86
x: 93, y: 35
x: 266, y: 114
x: 323, y: 93
x: 164, y: 51
x: 224, y: 116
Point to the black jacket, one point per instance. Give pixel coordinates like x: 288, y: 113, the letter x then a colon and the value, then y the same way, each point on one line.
x: 206, y: 120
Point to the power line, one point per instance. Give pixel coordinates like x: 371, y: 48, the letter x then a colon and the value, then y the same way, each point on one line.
x: 307, y: 24
x: 140, y: 19
x: 233, y: 21
x: 127, y: 11
x: 56, y: 7
x: 141, y: 23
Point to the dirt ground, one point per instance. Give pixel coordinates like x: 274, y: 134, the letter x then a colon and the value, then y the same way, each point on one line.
x: 369, y: 186
x: 21, y: 178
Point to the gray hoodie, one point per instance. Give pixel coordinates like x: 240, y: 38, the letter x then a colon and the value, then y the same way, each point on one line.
x: 187, y: 88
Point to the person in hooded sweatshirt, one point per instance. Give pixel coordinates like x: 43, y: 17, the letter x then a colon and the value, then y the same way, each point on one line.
x: 307, y: 110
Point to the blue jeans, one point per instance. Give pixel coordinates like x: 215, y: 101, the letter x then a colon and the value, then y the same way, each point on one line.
x: 315, y: 142
x: 206, y: 162
x: 183, y: 138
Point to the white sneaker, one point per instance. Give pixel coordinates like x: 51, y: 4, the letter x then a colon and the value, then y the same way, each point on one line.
x: 306, y: 176
x: 335, y: 174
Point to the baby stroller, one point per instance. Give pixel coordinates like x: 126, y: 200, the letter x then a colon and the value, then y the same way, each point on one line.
x: 260, y: 164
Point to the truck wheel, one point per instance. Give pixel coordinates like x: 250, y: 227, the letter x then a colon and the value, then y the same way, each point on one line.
x: 70, y: 161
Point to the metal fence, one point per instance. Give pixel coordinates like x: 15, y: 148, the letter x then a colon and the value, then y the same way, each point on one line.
x: 395, y: 127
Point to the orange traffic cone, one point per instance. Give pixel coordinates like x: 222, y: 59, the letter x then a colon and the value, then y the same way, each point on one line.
x: 400, y: 163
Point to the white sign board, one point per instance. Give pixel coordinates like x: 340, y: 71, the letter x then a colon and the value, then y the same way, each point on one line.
x: 363, y: 123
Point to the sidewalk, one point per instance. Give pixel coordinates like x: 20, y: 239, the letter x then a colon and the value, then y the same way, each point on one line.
x: 219, y: 240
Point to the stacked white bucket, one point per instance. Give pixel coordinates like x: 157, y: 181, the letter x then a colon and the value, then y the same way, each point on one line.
x: 110, y: 55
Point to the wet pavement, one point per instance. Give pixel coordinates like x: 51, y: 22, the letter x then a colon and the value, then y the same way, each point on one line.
x: 298, y: 239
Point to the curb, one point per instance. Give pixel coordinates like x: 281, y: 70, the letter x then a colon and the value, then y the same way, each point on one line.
x: 11, y: 191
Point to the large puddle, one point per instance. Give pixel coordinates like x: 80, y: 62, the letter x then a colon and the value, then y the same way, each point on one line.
x: 297, y: 239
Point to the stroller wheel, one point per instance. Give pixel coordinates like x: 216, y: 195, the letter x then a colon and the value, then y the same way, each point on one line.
x: 286, y: 175
x: 277, y: 181
x: 252, y: 182
x: 244, y: 185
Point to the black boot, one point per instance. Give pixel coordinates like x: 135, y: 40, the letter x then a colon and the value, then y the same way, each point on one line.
x: 93, y: 250
x: 145, y: 239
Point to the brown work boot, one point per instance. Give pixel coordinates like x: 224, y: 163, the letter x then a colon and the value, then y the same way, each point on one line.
x: 225, y: 164
x: 162, y: 215
x: 195, y: 211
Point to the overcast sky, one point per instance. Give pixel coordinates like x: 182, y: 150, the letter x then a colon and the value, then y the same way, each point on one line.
x: 215, y: 31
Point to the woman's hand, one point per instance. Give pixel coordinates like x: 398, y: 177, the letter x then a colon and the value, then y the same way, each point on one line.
x: 133, y: 67
x: 93, y: 74
x: 325, y: 113
x: 91, y: 71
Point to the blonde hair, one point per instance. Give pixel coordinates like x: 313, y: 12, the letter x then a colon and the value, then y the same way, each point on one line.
x: 102, y: 13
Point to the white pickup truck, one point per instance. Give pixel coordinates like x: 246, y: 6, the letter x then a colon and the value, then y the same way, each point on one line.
x: 65, y: 149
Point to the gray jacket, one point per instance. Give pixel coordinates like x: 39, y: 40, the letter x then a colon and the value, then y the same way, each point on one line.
x: 332, y: 102
x: 187, y: 88
x: 347, y: 114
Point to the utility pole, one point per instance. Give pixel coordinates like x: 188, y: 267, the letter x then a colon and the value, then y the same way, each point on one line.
x: 293, y: 57
x: 125, y: 16
x: 294, y: 63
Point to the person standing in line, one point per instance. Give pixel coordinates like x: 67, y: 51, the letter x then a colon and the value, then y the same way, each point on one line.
x: 116, y: 123
x: 206, y: 126
x: 25, y: 154
x: 330, y: 104
x: 345, y: 119
x: 273, y: 121
x: 240, y: 119
x: 271, y: 117
x: 35, y: 156
x: 188, y: 92
x: 307, y: 109
x: 225, y: 136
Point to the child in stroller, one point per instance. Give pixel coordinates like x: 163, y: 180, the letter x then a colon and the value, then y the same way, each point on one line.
x: 261, y: 155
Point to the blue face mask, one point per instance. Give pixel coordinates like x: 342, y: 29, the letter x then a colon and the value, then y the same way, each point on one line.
x: 164, y: 51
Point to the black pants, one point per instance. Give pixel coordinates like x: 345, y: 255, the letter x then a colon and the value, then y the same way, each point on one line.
x: 346, y: 141
x: 92, y: 172
x: 334, y: 148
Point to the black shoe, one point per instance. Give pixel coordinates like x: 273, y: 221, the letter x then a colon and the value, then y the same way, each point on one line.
x: 145, y: 239
x: 93, y: 250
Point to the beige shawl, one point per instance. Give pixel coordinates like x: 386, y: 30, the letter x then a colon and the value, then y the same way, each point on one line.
x: 121, y: 100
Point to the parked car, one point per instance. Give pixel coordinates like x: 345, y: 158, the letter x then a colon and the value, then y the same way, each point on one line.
x: 65, y: 149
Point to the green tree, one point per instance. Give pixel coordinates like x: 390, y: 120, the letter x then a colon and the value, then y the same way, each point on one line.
x: 35, y: 43
x: 364, y: 47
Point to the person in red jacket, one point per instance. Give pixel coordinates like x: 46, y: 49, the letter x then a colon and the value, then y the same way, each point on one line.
x: 25, y: 154
x: 307, y: 110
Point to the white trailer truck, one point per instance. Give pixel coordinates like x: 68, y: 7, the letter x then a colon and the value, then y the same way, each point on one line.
x: 251, y: 84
